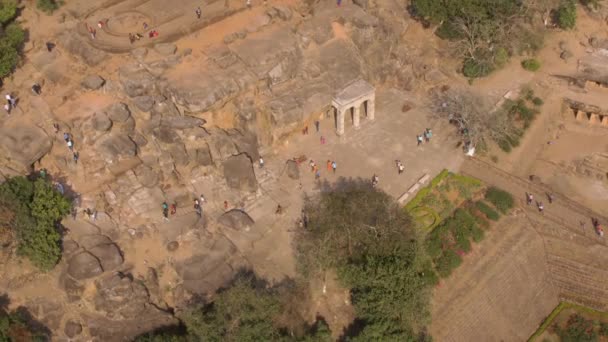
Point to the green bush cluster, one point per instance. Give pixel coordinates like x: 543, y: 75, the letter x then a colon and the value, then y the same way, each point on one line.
x: 452, y: 236
x: 487, y: 210
x: 578, y: 328
x: 566, y: 15
x: 521, y: 115
x: 530, y: 64
x: 37, y: 207
x: 502, y: 200
x: 12, y: 37
x: 48, y: 6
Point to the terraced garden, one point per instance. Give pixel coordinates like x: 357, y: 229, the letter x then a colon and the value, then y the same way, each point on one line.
x: 454, y: 211
x: 572, y: 322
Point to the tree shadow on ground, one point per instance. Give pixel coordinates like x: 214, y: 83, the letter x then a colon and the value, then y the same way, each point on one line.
x: 22, y: 325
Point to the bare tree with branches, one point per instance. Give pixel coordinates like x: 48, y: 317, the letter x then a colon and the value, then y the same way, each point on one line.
x: 474, y: 115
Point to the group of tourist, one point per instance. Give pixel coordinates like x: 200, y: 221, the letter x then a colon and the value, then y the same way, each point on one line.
x: 425, y: 136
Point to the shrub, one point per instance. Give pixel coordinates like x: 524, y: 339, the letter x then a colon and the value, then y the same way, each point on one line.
x: 501, y: 199
x: 530, y: 64
x: 462, y: 240
x: 48, y: 6
x: 477, y: 234
x: 603, y: 329
x: 8, y: 10
x: 486, y: 210
x: 566, y: 15
x: 501, y: 58
x: 537, y: 101
x: 447, y: 263
x: 504, y: 145
x: 474, y: 68
x: 513, y: 140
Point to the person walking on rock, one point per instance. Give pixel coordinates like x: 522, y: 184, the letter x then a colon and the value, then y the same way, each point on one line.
x: 36, y: 89
x: 328, y: 165
x: 76, y: 156
x: 173, y: 209
x: 225, y: 205
x: 7, y: 108
x: 550, y: 197
x: 312, y: 165
x: 375, y: 180
x: 334, y: 166
x: 198, y: 12
x: 529, y: 198
x: 165, y: 211
x: 202, y: 199
x: 70, y: 144
x: 317, y: 124
x: 540, y: 207
x: 11, y: 100
x: 419, y: 139
x: 323, y: 140
x: 261, y: 162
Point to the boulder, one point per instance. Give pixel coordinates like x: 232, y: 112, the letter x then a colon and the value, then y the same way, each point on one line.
x: 165, y: 49
x: 258, y: 22
x: 293, y: 171
x: 118, y: 112
x: 166, y: 135
x: 239, y: 173
x: 109, y: 256
x: 120, y: 297
x: 136, y: 80
x: 69, y: 247
x: 172, y: 246
x: 73, y: 289
x: 100, y: 122
x: 283, y: 12
x: 361, y: 3
x: 236, y: 219
x: 71, y: 41
x: 202, y: 156
x: 91, y: 240
x: 22, y: 144
x: 181, y: 122
x: 139, y: 53
x: 144, y: 103
x: 92, y: 82
x: 83, y: 266
x: 147, y: 176
x: 114, y: 146
x: 72, y: 329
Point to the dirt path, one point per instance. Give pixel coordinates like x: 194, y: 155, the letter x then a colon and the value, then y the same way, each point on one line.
x: 563, y: 210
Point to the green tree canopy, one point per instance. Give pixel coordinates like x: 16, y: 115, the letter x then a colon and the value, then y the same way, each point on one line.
x: 36, y: 208
x: 240, y: 313
x: 364, y: 235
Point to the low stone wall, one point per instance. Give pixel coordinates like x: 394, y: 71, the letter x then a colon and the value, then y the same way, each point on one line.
x: 413, y: 189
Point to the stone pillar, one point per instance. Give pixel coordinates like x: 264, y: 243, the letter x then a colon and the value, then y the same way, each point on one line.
x: 371, y: 108
x: 356, y: 113
x: 340, y: 121
x: 605, y: 120
x: 594, y: 118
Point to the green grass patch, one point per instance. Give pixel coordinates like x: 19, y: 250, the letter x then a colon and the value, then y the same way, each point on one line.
x: 447, y: 263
